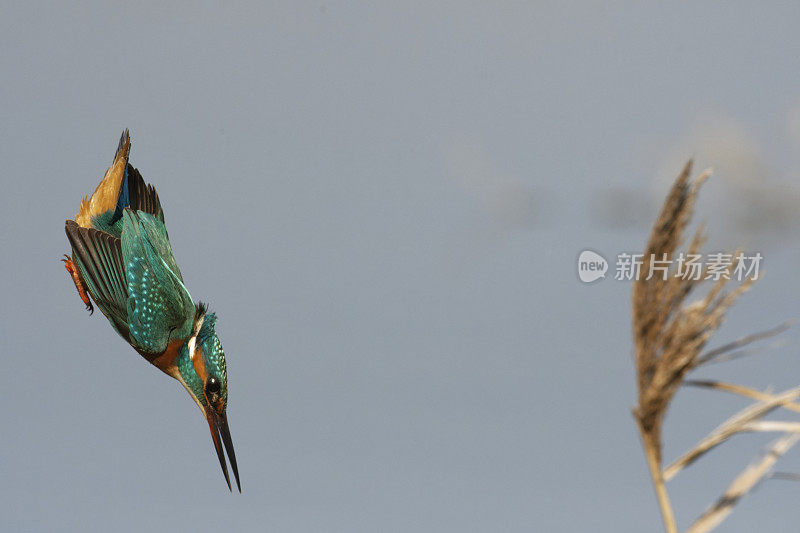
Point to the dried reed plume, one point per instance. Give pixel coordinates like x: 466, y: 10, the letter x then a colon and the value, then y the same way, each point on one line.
x: 670, y: 335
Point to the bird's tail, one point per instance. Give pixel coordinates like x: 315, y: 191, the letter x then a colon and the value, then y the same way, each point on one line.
x: 112, y: 192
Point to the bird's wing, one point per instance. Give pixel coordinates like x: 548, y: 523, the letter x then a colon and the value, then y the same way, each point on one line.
x: 99, y: 259
x: 141, y: 196
x: 159, y: 307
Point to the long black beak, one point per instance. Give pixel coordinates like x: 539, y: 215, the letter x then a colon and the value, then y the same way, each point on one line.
x: 220, y: 432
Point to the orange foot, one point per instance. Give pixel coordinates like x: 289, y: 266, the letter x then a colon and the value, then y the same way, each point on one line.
x: 79, y: 283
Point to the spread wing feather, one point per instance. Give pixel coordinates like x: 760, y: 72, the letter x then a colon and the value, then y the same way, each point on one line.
x: 141, y: 196
x: 98, y: 256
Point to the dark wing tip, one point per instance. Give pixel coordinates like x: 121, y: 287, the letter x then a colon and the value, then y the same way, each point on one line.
x: 142, y: 197
x: 124, y: 142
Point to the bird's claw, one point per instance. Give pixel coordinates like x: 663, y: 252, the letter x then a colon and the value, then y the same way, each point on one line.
x: 79, y: 283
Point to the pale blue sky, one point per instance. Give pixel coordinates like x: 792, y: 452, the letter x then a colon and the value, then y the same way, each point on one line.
x: 384, y: 206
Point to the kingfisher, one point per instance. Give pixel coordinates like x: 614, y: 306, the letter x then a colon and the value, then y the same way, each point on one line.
x: 123, y: 261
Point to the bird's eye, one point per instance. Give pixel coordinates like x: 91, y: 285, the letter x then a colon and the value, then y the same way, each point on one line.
x: 212, y: 385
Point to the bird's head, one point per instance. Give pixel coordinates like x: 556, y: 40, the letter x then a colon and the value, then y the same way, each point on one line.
x: 202, y: 369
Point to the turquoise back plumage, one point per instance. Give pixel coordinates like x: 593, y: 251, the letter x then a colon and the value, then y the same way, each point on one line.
x: 159, y: 306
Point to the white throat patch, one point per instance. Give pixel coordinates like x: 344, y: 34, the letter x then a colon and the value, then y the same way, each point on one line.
x: 192, y: 345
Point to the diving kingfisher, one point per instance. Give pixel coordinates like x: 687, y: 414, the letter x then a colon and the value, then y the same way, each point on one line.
x: 122, y: 259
